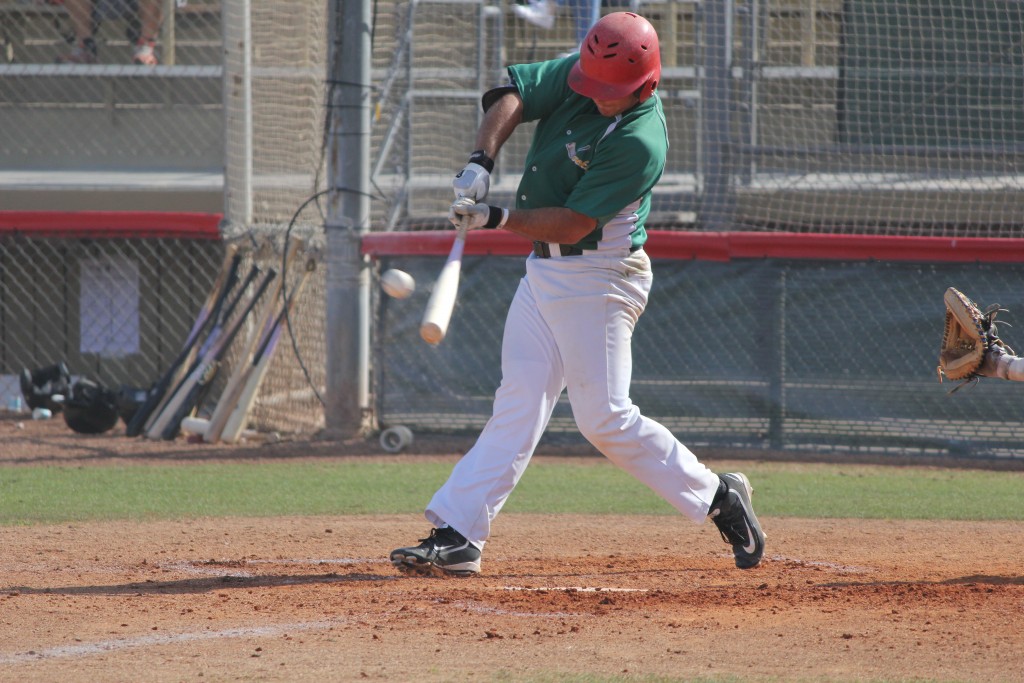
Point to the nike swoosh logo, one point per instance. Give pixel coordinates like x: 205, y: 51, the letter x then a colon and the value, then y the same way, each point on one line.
x: 452, y: 547
x: 752, y: 544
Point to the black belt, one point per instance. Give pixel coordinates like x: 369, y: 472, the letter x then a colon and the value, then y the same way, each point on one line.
x: 543, y: 250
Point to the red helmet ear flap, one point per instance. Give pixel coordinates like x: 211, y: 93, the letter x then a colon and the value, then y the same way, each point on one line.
x: 647, y: 89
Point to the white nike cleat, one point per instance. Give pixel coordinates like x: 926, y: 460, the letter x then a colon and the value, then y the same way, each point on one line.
x: 538, y: 12
x: 735, y: 519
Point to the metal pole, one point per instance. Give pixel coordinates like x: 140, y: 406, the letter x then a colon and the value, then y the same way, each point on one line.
x: 167, y: 32
x: 718, y: 198
x: 809, y: 33
x: 238, y: 115
x: 670, y: 55
x: 746, y: 164
x: 348, y: 217
x: 247, y: 153
x: 774, y: 300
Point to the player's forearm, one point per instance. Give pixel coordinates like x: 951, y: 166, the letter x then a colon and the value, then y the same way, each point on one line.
x: 555, y: 224
x: 1015, y: 369
x: 1005, y: 366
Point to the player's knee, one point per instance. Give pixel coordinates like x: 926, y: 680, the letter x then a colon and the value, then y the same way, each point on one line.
x: 605, y: 426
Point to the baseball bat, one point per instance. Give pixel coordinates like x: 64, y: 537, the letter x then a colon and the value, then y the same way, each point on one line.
x: 195, y: 385
x: 157, y: 421
x: 222, y: 321
x: 209, y: 311
x: 261, y: 362
x: 201, y: 378
x: 226, y: 312
x: 236, y: 383
x: 439, y: 309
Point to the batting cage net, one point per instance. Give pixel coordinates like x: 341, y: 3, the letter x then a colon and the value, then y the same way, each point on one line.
x: 821, y: 118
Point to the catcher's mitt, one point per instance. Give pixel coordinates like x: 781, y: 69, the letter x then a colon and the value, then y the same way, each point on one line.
x: 969, y: 334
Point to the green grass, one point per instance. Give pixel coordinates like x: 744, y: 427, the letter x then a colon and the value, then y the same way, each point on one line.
x: 30, y: 495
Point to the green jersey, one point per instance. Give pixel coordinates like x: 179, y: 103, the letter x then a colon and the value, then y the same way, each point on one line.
x: 599, y: 166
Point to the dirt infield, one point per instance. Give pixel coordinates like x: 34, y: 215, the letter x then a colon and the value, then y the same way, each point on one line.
x: 612, y: 597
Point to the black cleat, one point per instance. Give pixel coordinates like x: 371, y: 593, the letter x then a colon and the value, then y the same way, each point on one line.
x: 735, y: 519
x: 445, y: 552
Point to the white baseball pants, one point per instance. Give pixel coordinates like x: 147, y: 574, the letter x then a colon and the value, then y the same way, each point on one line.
x: 570, y: 326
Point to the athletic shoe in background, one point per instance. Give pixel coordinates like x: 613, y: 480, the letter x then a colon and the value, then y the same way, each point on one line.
x: 145, y: 53
x: 538, y: 12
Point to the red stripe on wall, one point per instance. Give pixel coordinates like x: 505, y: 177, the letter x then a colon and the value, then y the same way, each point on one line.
x: 726, y: 246
x: 707, y: 246
x: 111, y: 224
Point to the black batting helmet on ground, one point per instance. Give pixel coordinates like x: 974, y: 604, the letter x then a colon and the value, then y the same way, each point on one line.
x: 90, y: 408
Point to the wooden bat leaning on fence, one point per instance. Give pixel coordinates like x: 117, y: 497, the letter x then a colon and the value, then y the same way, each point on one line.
x: 261, y: 361
x: 252, y: 374
x: 232, y: 391
x: 157, y: 421
x: 207, y: 315
x: 193, y: 387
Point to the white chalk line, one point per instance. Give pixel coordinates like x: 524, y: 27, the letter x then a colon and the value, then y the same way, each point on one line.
x: 470, y: 606
x: 210, y: 568
x: 187, y: 567
x: 314, y: 561
x: 113, y: 645
x: 106, y: 646
x: 842, y: 568
x: 573, y: 589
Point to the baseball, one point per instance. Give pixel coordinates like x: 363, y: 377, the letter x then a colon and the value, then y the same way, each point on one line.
x: 397, y: 283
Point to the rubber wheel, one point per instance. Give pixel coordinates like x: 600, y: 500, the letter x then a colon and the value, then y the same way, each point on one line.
x: 396, y: 439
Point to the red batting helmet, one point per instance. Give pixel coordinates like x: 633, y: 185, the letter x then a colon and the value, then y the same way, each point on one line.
x: 618, y: 57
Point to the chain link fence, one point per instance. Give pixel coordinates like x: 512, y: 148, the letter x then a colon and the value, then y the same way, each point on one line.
x: 880, y: 117
x: 769, y: 354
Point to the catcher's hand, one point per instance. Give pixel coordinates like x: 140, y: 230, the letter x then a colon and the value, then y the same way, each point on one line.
x: 968, y: 336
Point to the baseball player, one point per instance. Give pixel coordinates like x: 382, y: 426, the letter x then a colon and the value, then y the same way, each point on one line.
x: 598, y: 149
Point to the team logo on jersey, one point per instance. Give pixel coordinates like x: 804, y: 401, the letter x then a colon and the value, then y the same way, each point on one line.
x: 571, y: 149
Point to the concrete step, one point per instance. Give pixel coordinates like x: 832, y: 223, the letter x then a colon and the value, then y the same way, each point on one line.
x: 110, y: 87
x: 153, y: 190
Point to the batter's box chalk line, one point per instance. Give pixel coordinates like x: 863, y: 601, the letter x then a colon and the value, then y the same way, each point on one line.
x: 106, y: 646
x: 210, y: 568
x: 573, y: 589
x: 845, y: 569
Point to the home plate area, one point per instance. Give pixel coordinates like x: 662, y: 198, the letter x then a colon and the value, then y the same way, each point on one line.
x: 558, y: 595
